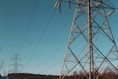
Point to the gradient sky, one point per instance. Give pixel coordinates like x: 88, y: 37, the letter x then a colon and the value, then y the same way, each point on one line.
x: 38, y: 33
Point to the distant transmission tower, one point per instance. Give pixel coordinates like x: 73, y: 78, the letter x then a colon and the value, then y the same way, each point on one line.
x: 2, y: 65
x: 91, y: 46
x: 15, y: 64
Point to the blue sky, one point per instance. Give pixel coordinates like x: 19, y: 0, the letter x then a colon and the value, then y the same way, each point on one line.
x: 38, y: 33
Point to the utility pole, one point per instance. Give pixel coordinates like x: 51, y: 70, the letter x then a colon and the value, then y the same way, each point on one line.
x: 15, y: 64
x: 91, y: 46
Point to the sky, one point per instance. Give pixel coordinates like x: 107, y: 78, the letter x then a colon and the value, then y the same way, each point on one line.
x: 38, y: 34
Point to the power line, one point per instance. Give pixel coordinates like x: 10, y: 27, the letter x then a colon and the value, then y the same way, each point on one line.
x: 29, y: 25
x: 41, y: 37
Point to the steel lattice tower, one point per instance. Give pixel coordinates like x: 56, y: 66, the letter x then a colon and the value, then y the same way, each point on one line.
x: 16, y: 64
x: 91, y: 46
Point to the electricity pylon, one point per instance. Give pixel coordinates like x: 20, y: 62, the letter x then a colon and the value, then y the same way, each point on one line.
x: 16, y: 64
x: 91, y: 46
x: 2, y: 65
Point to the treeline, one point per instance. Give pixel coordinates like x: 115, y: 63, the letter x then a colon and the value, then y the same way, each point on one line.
x: 106, y: 74
x: 31, y: 76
